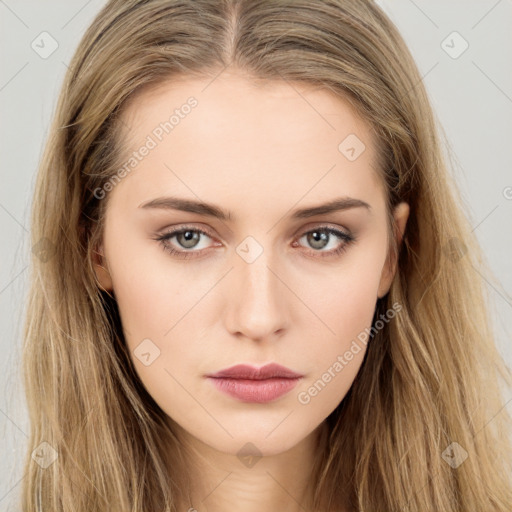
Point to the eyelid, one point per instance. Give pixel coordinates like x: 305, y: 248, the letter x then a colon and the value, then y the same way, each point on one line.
x: 300, y: 231
x: 345, y: 235
x: 321, y: 225
x: 187, y: 227
x: 169, y: 233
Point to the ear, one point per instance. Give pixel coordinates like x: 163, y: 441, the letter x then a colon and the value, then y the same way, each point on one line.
x: 101, y: 269
x: 400, y: 214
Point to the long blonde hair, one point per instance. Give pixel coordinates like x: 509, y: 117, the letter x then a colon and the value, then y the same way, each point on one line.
x: 431, y: 376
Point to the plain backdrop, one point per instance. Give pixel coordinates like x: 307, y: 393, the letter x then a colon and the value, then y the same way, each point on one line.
x: 463, y: 50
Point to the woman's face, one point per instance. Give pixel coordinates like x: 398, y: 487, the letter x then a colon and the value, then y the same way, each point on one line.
x: 257, y: 277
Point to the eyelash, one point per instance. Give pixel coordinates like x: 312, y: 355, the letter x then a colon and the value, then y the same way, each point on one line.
x: 346, y: 237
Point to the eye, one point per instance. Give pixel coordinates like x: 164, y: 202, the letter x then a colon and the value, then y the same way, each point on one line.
x: 321, y: 237
x: 186, y: 238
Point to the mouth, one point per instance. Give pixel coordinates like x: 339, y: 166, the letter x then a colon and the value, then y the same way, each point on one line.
x: 257, y: 385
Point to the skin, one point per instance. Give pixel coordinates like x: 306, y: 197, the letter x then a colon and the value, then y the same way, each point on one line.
x: 260, y: 151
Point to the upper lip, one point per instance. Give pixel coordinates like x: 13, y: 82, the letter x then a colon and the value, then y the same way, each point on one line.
x: 244, y: 371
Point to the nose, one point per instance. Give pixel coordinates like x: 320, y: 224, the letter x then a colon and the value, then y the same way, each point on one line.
x: 257, y: 302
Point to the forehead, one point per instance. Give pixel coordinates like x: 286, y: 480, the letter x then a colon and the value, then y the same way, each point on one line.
x: 235, y: 101
x: 286, y: 139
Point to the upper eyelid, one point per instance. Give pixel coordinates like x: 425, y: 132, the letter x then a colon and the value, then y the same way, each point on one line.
x: 176, y: 231
x: 321, y: 225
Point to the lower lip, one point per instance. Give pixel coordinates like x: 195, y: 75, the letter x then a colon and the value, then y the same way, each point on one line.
x: 257, y: 391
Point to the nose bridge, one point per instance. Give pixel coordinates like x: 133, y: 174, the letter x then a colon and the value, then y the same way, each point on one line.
x: 256, y: 308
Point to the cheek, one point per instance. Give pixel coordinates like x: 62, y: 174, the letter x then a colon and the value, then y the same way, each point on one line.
x: 350, y: 300
x: 158, y: 307
x: 163, y: 309
x: 150, y: 294
x: 145, y: 301
x: 345, y: 304
x: 344, y: 296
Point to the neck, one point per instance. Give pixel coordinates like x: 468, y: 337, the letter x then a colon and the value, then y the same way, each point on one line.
x: 221, y: 481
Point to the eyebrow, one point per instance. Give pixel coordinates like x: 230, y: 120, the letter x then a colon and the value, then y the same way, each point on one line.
x: 211, y: 210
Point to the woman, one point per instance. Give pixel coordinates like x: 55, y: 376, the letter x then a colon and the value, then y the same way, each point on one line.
x: 258, y: 288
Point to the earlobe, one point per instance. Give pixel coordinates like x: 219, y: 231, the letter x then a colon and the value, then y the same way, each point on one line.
x: 102, y: 274
x: 401, y: 215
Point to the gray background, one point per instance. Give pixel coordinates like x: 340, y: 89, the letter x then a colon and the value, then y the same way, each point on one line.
x: 471, y: 95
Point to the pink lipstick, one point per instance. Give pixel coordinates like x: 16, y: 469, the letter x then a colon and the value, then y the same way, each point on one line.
x: 259, y: 385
